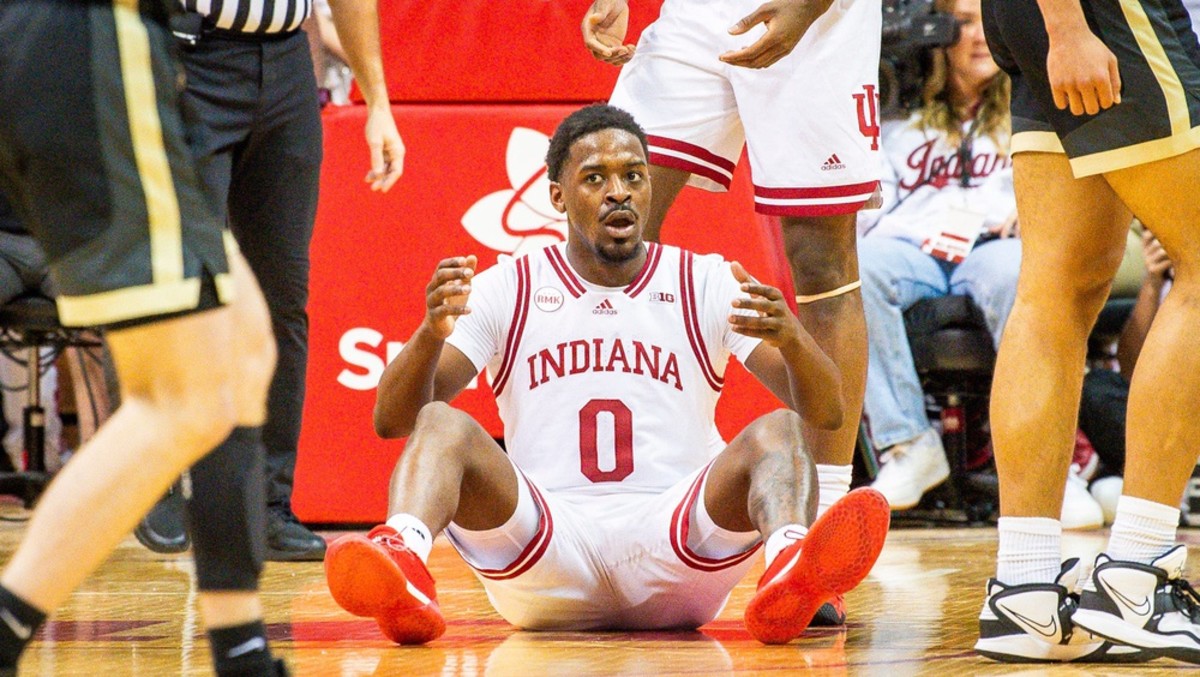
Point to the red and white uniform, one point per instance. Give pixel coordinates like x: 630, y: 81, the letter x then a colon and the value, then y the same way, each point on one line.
x: 811, y: 121
x: 608, y: 398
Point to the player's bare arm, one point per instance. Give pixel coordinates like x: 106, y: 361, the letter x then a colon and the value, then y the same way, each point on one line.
x: 1082, y: 70
x: 786, y: 20
x: 789, y: 362
x: 423, y: 371
x: 357, y: 23
x: 604, y: 27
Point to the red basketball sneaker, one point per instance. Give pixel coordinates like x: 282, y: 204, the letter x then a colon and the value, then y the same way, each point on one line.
x: 378, y: 576
x: 838, y: 552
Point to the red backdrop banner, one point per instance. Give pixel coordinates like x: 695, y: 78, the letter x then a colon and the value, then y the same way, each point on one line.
x: 514, y: 50
x: 474, y: 183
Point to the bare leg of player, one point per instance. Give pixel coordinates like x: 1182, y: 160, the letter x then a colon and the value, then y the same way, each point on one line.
x: 179, y: 401
x: 1162, y: 428
x: 824, y: 256
x: 765, y: 480
x: 452, y: 470
x: 1065, y: 277
x: 665, y: 185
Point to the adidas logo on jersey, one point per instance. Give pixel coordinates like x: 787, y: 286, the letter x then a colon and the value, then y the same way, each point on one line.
x: 605, y: 307
x: 834, y: 162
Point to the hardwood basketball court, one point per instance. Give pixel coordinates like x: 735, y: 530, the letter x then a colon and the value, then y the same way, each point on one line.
x: 914, y: 615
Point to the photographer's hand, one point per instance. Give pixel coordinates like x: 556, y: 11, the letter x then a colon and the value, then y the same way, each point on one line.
x: 1082, y: 70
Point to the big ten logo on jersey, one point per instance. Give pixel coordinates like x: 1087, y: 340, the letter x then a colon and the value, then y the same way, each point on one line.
x: 866, y: 103
x: 662, y: 297
x: 519, y: 219
x: 366, y: 354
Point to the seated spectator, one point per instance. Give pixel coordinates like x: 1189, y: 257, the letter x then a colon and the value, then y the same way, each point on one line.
x: 947, y: 226
x: 23, y: 269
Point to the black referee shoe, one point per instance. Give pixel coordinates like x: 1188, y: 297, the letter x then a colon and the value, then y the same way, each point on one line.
x: 162, y: 529
x: 290, y: 541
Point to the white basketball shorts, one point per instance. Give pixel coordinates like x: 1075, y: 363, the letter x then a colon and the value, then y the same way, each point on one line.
x: 811, y: 121
x: 622, y: 561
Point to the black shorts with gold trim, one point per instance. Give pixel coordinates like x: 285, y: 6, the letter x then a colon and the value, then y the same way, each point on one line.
x: 1159, y: 61
x: 93, y: 153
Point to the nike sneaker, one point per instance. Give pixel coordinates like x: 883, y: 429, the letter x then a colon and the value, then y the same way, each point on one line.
x: 1033, y: 623
x: 377, y: 576
x: 1146, y: 606
x: 836, y: 554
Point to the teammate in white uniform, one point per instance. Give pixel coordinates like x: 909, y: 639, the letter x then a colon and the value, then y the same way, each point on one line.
x: 607, y: 357
x: 796, y: 82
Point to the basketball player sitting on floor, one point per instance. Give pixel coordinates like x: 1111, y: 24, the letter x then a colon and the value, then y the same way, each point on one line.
x: 617, y: 506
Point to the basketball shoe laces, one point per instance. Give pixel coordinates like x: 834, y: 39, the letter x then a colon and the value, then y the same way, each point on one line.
x: 393, y: 541
x: 1186, y: 599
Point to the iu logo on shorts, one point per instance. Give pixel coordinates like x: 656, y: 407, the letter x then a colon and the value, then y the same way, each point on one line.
x: 868, y: 114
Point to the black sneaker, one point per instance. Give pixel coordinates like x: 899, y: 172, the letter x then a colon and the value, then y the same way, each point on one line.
x: 1144, y: 605
x: 831, y: 614
x: 1033, y: 623
x: 162, y: 529
x: 290, y: 541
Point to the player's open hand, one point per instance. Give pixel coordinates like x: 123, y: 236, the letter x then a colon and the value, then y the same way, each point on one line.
x: 604, y: 27
x: 1083, y: 72
x: 786, y: 20
x: 446, y: 294
x: 771, y: 319
x: 387, y: 149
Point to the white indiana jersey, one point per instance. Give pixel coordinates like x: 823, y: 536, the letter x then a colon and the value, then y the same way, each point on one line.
x: 605, y: 389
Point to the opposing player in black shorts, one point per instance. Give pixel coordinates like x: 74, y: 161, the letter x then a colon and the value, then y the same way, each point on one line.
x: 1106, y: 125
x: 93, y: 154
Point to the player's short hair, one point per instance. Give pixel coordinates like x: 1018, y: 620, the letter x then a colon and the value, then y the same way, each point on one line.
x: 582, y: 122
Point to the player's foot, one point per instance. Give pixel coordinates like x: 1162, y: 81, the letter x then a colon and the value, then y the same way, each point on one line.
x: 1147, y: 606
x: 831, y: 614
x: 1033, y: 623
x: 836, y: 554
x: 378, y: 576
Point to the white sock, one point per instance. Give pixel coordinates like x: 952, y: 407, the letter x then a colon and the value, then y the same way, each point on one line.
x: 782, y: 538
x: 1030, y: 550
x: 1142, y: 531
x: 834, y: 483
x: 414, y: 532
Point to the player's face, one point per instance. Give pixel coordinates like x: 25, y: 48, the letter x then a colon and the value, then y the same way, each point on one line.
x: 971, y: 63
x: 604, y: 190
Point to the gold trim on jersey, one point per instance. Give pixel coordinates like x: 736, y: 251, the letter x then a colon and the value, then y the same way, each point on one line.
x: 1035, y: 142
x: 129, y: 303
x: 1137, y: 154
x: 1109, y: 160
x: 150, y: 155
x: 1160, y: 65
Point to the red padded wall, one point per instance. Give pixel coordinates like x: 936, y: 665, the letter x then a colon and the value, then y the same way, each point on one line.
x: 507, y: 51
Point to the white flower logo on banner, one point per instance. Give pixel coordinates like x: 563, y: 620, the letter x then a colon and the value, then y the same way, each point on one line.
x: 519, y: 219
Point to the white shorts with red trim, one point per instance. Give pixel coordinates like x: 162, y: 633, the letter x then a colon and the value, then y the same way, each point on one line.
x: 628, y: 561
x: 811, y: 121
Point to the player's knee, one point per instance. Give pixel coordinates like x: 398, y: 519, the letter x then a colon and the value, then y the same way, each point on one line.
x: 778, y: 432
x: 199, y: 417
x: 443, y: 428
x: 259, y: 358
